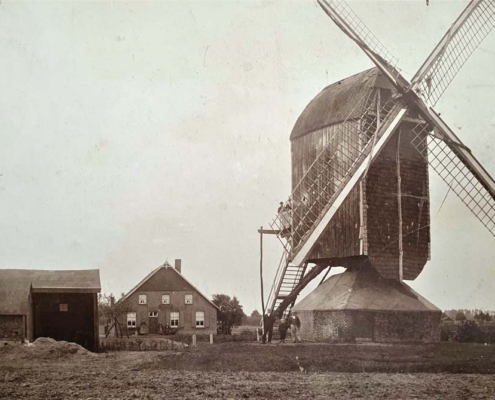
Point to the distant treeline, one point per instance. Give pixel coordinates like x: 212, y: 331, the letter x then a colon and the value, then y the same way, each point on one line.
x: 470, y: 315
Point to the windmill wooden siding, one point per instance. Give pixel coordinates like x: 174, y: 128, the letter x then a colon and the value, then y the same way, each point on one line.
x: 370, y: 213
x: 341, y: 238
x: 382, y: 209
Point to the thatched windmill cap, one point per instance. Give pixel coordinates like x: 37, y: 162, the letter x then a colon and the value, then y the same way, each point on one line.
x: 334, y: 104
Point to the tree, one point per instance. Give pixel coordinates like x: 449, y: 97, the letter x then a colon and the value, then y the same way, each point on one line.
x: 253, y: 320
x: 460, y: 316
x: 112, y: 312
x: 469, y: 332
x: 231, y: 313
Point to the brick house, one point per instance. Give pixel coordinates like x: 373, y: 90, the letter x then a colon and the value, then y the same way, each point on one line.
x: 166, y: 300
x: 359, y: 304
x: 62, y: 305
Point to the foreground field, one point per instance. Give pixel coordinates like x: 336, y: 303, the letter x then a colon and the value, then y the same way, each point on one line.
x: 248, y: 370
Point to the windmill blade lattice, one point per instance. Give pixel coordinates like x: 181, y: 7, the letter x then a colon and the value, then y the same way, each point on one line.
x: 456, y: 165
x: 460, y: 41
x: 348, y: 21
x: 457, y: 175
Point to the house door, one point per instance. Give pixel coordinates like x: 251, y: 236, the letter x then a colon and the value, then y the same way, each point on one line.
x: 153, y: 322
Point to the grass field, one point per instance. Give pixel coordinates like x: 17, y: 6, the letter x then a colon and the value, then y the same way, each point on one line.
x: 252, y: 370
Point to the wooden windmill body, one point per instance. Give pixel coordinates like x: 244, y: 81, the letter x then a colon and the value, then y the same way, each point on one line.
x: 380, y: 233
x: 360, y: 199
x: 368, y: 223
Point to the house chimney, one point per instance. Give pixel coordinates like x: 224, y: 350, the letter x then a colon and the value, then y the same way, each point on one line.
x: 178, y: 265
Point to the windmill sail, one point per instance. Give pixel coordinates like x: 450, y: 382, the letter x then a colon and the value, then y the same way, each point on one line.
x: 347, y: 20
x: 461, y: 40
x: 460, y: 169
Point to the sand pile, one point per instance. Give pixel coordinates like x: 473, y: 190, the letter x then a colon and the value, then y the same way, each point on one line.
x: 45, y: 349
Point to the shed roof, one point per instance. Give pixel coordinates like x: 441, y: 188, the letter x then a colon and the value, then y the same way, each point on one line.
x: 15, y: 285
x: 364, y: 289
x: 335, y: 103
x: 167, y: 279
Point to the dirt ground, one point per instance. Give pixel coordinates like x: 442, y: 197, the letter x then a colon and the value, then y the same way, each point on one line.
x: 250, y: 370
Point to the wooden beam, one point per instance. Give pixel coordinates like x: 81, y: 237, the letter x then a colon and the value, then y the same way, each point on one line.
x: 261, y: 282
x: 325, y: 276
x: 399, y: 209
x: 269, y: 231
x: 96, y: 324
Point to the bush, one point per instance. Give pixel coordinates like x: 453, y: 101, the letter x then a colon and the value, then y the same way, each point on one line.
x: 448, y: 332
x: 469, y: 332
x: 139, y: 344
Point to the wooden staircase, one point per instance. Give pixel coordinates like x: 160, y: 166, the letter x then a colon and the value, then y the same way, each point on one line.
x: 316, y: 198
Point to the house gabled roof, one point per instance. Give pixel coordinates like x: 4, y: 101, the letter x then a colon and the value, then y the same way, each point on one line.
x: 170, y: 280
x: 16, y: 284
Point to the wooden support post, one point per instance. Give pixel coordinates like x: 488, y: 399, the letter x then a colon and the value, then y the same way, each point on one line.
x: 261, y: 281
x: 96, y: 324
x: 211, y: 338
x: 194, y: 340
x: 325, y: 276
x: 399, y: 208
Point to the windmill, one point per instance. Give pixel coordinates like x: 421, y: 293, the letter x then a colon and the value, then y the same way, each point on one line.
x: 380, y: 136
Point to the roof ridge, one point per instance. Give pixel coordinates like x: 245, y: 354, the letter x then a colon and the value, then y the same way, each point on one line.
x: 349, y: 77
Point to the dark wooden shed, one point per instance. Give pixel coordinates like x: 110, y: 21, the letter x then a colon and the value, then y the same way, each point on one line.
x: 62, y: 305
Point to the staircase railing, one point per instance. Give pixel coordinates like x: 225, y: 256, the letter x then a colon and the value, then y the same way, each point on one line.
x: 333, y: 170
x: 348, y: 145
x: 272, y: 296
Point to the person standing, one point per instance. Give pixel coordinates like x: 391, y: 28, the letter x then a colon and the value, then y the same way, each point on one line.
x: 282, y: 329
x: 295, y: 325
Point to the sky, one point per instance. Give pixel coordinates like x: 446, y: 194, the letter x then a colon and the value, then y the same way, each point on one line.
x: 134, y: 133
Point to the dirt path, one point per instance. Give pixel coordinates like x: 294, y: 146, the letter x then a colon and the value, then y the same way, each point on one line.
x: 102, y: 381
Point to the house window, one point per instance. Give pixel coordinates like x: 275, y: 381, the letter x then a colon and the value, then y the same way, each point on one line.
x: 188, y: 298
x: 64, y: 307
x: 131, y: 320
x: 142, y: 299
x: 200, y: 319
x: 153, y: 314
x: 165, y: 299
x: 174, y: 319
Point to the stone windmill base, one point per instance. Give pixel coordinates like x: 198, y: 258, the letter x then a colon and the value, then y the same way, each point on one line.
x: 360, y: 305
